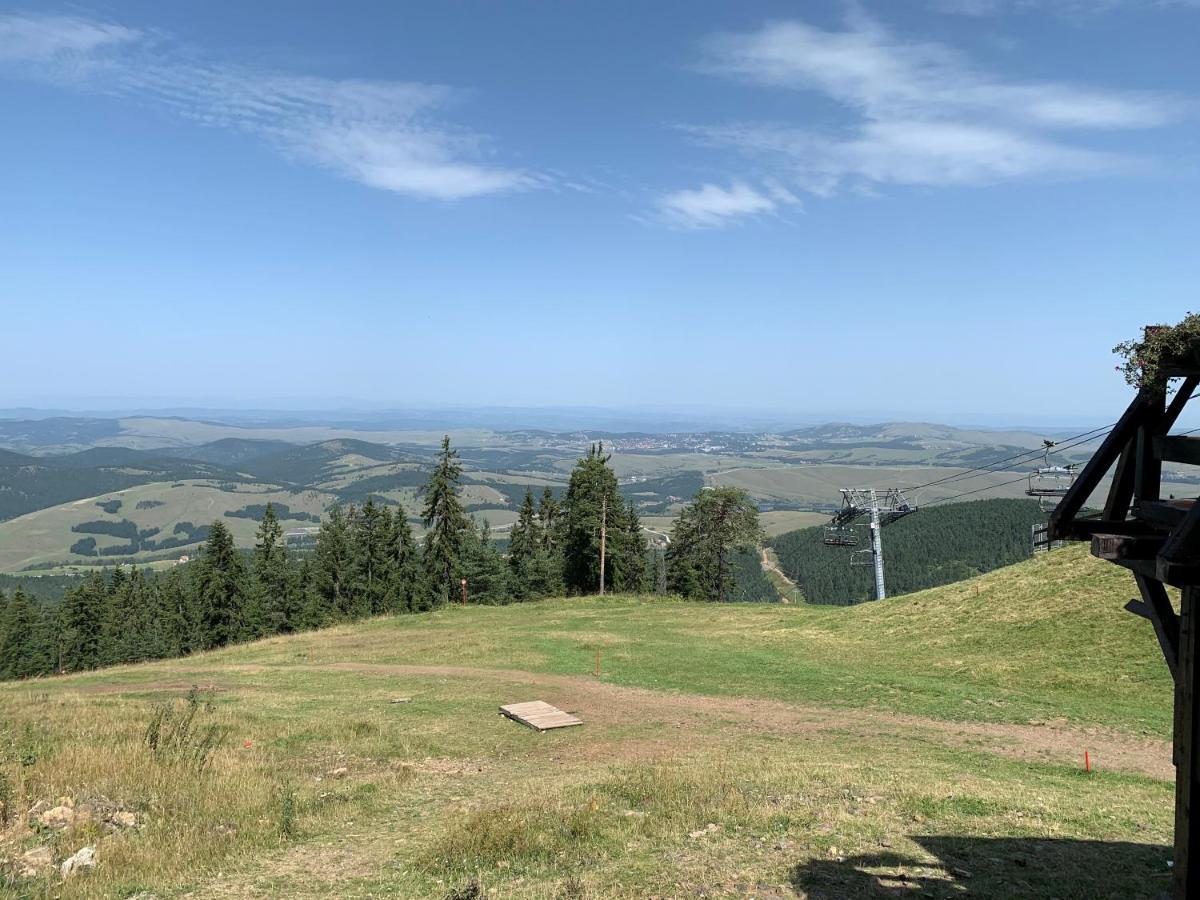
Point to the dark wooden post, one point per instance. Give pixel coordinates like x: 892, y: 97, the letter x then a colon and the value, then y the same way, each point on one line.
x: 1187, y: 761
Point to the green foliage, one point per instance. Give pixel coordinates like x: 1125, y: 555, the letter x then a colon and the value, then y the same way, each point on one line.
x: 1146, y: 360
x: 109, y: 506
x: 174, y: 735
x: 23, y: 650
x: 700, y: 560
x: 222, y: 589
x: 593, y: 500
x: 257, y: 511
x: 935, y: 546
x: 446, y: 526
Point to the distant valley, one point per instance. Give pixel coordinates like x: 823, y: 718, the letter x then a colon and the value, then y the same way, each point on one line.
x: 79, y: 492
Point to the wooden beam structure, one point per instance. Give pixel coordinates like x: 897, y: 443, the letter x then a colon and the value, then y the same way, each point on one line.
x: 1159, y: 542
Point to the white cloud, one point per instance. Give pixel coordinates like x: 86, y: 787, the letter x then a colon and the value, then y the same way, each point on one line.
x: 710, y: 205
x: 47, y: 38
x: 383, y: 134
x: 922, y: 114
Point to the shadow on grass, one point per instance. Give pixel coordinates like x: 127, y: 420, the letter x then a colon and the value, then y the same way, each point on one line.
x: 988, y: 868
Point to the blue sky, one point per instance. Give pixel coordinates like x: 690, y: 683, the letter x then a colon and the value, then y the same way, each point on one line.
x: 949, y: 209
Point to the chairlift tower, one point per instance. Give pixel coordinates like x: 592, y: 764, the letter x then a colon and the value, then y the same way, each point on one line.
x: 880, y: 508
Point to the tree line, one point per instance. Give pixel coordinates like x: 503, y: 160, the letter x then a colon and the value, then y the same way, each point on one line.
x: 367, y: 562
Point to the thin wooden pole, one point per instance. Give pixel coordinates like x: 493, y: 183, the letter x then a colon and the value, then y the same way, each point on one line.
x: 597, y: 662
x: 603, y: 536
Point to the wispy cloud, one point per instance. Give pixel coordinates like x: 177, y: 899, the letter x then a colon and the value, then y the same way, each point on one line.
x: 711, y: 205
x: 383, y: 134
x: 921, y: 113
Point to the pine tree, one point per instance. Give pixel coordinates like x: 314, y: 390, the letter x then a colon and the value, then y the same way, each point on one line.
x: 371, y: 577
x: 222, y: 586
x: 488, y: 578
x: 524, y: 548
x: 407, y: 591
x: 703, y: 541
x: 548, y: 509
x: 21, y: 652
x: 82, y: 623
x: 328, y: 570
x: 175, y: 613
x: 592, y: 496
x: 630, y: 565
x: 446, y: 526
x: 273, y: 578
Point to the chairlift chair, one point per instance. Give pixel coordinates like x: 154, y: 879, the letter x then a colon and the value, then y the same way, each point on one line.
x: 862, y: 558
x: 1050, y: 483
x: 840, y: 536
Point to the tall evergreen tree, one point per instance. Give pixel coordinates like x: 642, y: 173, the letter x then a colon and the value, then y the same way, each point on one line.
x: 329, y: 568
x: 630, y: 572
x: 222, y: 585
x: 488, y: 578
x: 82, y: 624
x: 704, y: 538
x: 371, y: 543
x: 407, y: 592
x: 22, y: 654
x: 273, y: 577
x: 524, y: 548
x: 592, y: 496
x: 446, y: 526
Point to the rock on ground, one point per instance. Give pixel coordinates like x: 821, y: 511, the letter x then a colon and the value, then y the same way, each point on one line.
x: 82, y: 860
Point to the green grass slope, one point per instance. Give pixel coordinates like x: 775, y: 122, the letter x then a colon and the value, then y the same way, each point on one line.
x: 925, y: 746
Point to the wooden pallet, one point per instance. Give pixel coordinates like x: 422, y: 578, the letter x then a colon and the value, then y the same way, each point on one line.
x: 539, y: 716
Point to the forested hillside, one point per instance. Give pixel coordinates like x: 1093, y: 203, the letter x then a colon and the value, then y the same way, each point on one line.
x: 935, y: 546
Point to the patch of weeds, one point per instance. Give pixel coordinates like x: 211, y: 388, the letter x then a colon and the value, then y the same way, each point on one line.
x: 687, y: 794
x: 174, y: 734
x: 286, y: 808
x: 515, y: 835
x: 364, y: 729
x: 27, y: 746
x: 6, y: 800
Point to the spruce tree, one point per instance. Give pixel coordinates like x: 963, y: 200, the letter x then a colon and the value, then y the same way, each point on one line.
x: 22, y: 654
x: 273, y: 580
x: 329, y: 568
x: 371, y: 577
x: 630, y: 565
x: 488, y: 578
x: 407, y: 591
x: 703, y: 541
x: 222, y: 586
x: 446, y: 526
x: 592, y: 496
x: 524, y: 548
x: 82, y: 623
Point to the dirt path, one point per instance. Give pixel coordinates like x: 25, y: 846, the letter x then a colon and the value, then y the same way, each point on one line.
x: 769, y: 565
x: 609, y: 704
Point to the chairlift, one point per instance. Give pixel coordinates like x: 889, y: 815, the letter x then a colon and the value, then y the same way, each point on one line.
x: 1049, y: 483
x: 862, y: 558
x: 840, y: 536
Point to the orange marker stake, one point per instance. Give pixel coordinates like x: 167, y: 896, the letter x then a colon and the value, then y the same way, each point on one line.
x: 1087, y: 761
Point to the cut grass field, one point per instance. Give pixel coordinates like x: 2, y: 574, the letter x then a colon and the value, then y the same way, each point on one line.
x: 927, y: 746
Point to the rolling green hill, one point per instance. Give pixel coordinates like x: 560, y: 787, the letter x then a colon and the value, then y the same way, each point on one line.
x: 928, y: 745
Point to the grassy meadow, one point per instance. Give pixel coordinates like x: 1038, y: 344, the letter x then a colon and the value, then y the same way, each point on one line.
x: 927, y: 746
